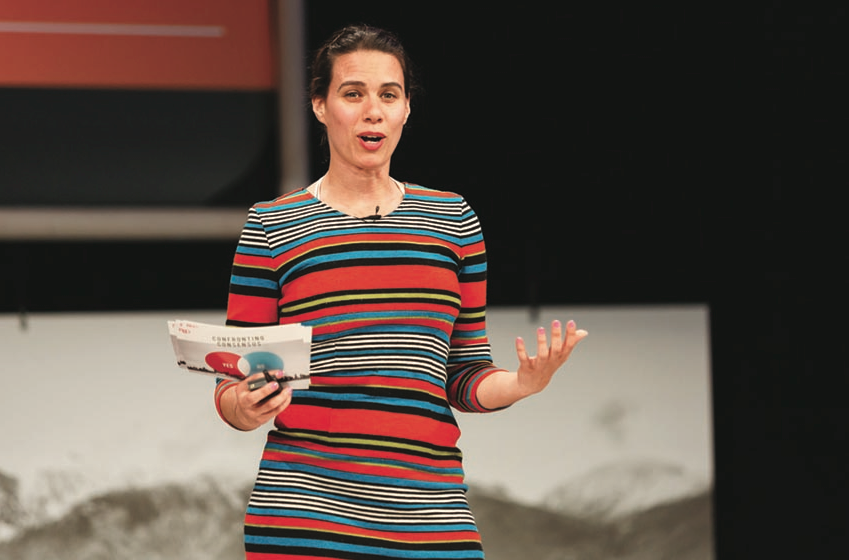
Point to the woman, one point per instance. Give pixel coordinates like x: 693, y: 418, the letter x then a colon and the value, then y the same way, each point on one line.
x: 391, y: 277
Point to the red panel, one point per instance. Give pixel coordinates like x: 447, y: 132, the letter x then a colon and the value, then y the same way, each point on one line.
x: 185, y: 44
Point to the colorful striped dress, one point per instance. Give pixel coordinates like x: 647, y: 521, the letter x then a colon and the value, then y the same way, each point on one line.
x: 365, y: 464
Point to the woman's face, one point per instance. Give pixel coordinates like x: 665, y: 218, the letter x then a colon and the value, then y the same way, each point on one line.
x: 365, y: 110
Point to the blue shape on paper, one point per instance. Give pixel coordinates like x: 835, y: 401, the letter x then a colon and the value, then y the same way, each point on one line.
x: 263, y: 361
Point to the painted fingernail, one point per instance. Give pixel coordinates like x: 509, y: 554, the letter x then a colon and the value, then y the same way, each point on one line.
x: 571, y: 323
x: 556, y: 323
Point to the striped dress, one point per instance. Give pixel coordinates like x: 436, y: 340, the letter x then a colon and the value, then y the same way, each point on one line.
x: 365, y: 464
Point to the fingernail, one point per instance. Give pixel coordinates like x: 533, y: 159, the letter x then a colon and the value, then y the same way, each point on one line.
x: 571, y: 323
x: 541, y: 330
x: 274, y: 385
x: 556, y: 323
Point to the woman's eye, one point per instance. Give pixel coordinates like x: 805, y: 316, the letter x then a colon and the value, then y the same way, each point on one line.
x: 352, y: 94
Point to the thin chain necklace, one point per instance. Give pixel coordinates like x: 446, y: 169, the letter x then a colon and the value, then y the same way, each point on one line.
x: 376, y: 215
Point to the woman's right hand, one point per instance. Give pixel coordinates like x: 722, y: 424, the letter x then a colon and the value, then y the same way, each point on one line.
x: 248, y: 410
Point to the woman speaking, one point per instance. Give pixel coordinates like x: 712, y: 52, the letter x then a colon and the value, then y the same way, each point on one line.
x: 391, y: 276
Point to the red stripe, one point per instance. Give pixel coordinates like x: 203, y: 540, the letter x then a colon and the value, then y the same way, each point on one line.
x: 252, y: 309
x: 368, y: 423
x: 449, y: 461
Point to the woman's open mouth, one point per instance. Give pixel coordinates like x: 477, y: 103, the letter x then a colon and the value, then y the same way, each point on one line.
x: 371, y: 141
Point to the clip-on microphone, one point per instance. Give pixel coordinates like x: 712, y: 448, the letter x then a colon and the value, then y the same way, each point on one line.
x: 374, y: 216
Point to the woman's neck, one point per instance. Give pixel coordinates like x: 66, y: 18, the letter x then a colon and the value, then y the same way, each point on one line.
x: 359, y: 194
x: 351, y: 187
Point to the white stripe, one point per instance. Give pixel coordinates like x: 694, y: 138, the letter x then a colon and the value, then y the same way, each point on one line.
x: 360, y: 494
x: 321, y: 503
x: 272, y: 477
x: 120, y: 29
x: 350, y: 511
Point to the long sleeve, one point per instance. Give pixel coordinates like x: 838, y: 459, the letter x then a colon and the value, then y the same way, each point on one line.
x: 253, y: 295
x: 254, y: 290
x: 470, y: 357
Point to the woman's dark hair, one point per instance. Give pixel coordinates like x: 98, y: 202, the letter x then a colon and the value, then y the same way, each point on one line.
x: 354, y: 38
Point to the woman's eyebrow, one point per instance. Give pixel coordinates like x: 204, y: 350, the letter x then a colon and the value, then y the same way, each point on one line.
x: 363, y: 84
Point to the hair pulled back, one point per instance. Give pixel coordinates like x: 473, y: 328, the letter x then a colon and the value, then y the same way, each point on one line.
x: 354, y: 38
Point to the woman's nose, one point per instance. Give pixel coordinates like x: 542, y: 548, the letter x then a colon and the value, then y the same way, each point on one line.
x: 372, y: 111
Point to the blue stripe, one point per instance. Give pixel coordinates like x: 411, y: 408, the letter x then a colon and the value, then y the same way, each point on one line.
x: 423, y: 195
x: 474, y: 269
x: 377, y: 315
x: 480, y: 333
x: 370, y: 550
x: 270, y: 206
x: 389, y: 527
x: 249, y: 250
x: 317, y: 394
x: 422, y: 234
x: 253, y: 282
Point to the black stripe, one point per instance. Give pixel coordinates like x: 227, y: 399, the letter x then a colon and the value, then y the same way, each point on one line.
x: 355, y: 540
x: 405, y: 410
x: 351, y: 439
x: 255, y: 291
x: 386, y: 392
x: 341, y: 265
x: 375, y: 246
x: 359, y: 297
x: 479, y: 258
x: 473, y: 277
x: 234, y: 323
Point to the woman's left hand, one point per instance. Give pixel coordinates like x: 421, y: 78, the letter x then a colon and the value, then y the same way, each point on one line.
x: 535, y: 372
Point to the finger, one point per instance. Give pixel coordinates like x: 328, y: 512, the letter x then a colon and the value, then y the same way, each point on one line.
x: 265, y: 393
x: 255, y: 381
x: 542, y: 343
x: 556, y: 336
x: 521, y: 351
x: 573, y: 330
x: 562, y: 345
x: 276, y: 402
x: 574, y: 334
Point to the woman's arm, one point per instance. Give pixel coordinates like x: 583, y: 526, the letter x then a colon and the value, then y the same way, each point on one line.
x: 503, y: 388
x: 252, y: 301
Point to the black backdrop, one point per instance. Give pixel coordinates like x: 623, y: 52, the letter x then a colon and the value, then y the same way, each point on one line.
x: 615, y: 156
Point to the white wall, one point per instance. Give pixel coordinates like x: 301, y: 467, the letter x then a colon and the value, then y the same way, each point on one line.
x: 97, y: 399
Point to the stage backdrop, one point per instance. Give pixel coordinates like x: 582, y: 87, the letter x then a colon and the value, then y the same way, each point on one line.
x: 109, y: 450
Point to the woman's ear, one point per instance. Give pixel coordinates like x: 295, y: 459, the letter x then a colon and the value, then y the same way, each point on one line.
x: 407, y: 115
x: 318, y: 108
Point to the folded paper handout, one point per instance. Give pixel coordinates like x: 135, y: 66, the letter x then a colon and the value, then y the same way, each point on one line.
x: 238, y: 352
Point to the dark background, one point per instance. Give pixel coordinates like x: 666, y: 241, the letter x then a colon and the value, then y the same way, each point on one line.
x: 615, y: 156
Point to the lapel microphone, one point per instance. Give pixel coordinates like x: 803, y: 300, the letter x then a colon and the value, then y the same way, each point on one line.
x: 374, y: 217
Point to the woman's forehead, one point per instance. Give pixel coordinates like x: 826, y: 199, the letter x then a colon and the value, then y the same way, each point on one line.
x: 367, y: 66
